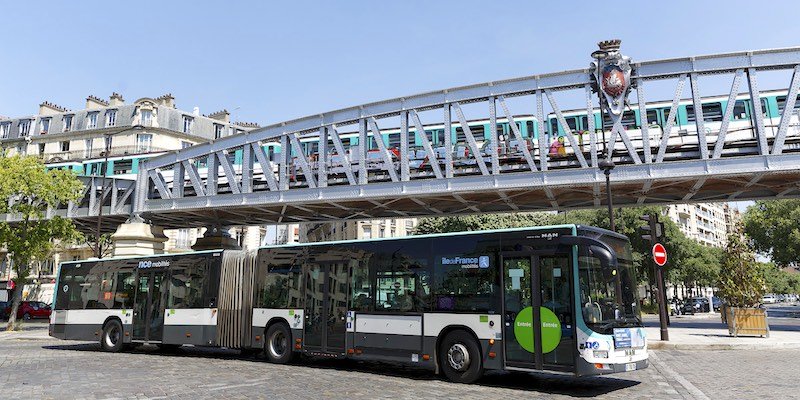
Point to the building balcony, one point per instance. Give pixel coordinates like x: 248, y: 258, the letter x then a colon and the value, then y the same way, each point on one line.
x: 82, y: 155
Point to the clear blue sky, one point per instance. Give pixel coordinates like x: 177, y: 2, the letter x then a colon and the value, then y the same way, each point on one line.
x: 282, y: 60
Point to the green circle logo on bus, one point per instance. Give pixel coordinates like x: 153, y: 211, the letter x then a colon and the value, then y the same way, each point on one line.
x: 551, y: 329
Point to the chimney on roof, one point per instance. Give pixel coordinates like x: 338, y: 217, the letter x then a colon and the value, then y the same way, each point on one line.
x: 166, y: 100
x: 48, y: 108
x: 196, y: 111
x: 95, y: 103
x: 116, y: 100
x: 247, y: 125
x: 222, y: 115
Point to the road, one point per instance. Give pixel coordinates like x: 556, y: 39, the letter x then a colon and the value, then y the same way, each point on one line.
x: 40, y: 367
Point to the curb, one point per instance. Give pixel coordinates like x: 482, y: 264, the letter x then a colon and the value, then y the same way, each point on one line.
x: 720, y: 346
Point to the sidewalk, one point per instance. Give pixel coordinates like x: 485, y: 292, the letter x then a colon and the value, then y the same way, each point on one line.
x: 30, y: 331
x: 707, y: 332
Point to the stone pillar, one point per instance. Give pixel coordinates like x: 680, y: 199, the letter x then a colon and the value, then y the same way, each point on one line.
x: 137, y: 238
x: 216, y: 238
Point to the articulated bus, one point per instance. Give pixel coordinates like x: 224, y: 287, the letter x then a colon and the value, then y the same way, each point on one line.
x: 558, y: 298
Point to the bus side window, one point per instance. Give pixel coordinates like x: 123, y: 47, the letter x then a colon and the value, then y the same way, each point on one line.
x: 360, y: 286
x: 125, y: 290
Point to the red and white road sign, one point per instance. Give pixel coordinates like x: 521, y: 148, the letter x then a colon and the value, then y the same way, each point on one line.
x: 659, y: 254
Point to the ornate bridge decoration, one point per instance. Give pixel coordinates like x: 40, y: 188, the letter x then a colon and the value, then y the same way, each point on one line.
x: 381, y: 160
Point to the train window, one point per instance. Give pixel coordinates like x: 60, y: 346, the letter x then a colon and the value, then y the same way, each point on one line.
x: 712, y: 112
x: 740, y: 109
x: 629, y: 119
x: 461, y: 137
x: 652, y: 117
x: 123, y: 167
x: 584, y: 123
x: 782, y: 103
x: 553, y: 127
x: 394, y: 140
x: 764, y: 111
x: 478, y: 132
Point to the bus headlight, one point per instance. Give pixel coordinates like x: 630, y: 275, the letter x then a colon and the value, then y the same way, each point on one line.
x: 600, y: 353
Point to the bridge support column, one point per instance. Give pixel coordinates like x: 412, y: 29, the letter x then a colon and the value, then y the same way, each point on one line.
x: 137, y: 238
x: 216, y: 237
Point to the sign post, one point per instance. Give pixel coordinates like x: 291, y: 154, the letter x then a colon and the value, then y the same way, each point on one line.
x: 654, y: 233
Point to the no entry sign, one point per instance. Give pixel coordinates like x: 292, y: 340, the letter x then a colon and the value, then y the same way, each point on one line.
x: 659, y: 254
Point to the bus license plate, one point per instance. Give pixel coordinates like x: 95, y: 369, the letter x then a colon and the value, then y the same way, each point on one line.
x: 630, y: 367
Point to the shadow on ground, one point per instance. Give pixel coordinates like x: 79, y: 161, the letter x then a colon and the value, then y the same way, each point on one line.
x: 535, y: 382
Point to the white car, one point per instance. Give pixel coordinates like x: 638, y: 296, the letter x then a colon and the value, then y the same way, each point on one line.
x: 769, y: 299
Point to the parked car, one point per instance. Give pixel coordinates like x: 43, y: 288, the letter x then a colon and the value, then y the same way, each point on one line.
x: 3, y: 305
x: 29, y: 310
x: 680, y: 307
x: 700, y: 304
x: 716, y: 302
x: 769, y: 299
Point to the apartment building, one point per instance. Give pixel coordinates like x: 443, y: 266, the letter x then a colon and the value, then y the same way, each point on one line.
x: 131, y: 132
x: 707, y: 223
x: 351, y: 230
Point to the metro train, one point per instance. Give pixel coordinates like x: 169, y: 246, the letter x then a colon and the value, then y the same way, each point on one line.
x: 682, y: 139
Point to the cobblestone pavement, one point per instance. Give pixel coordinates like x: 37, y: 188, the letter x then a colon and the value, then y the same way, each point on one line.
x: 64, y: 370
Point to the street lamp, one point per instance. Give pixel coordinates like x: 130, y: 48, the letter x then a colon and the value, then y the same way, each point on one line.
x: 606, y: 166
x: 107, y: 149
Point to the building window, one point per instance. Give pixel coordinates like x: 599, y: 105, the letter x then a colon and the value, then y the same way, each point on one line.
x: 143, y: 142
x: 218, y: 130
x: 67, y: 123
x: 187, y: 124
x: 182, y: 239
x: 185, y: 144
x: 24, y: 127
x: 22, y: 149
x: 87, y: 148
x: 111, y: 118
x: 5, y: 127
x: 41, y: 148
x: 65, y: 146
x: 44, y: 125
x: 367, y: 232
x: 146, y: 117
x: 91, y: 120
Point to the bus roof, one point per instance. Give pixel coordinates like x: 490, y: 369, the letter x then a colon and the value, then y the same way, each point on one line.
x: 430, y: 235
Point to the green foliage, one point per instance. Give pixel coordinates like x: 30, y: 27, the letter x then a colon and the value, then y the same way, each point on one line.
x: 778, y: 280
x: 27, y: 189
x: 774, y: 229
x: 468, y: 223
x: 742, y: 284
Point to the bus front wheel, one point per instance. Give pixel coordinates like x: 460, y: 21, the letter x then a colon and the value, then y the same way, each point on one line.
x: 278, y: 345
x: 460, y: 357
x: 112, y: 337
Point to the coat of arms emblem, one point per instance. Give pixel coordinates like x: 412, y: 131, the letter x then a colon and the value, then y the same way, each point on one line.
x: 612, y: 76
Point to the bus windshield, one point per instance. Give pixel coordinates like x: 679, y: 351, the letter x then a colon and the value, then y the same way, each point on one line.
x: 609, y: 301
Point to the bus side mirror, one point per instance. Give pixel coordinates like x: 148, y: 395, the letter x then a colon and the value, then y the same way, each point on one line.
x: 607, y: 262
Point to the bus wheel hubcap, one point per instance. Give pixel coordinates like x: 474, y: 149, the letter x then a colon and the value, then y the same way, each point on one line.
x: 458, y: 357
x: 277, y: 344
x: 112, y: 337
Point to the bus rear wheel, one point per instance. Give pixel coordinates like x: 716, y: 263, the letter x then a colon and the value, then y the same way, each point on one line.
x: 460, y: 357
x: 112, y: 337
x: 278, y: 345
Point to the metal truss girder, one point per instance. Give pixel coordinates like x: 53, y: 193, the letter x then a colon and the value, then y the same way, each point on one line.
x: 587, y: 89
x: 726, y: 117
x: 755, y: 98
x: 673, y: 114
x: 543, y: 147
x: 404, y: 157
x: 618, y: 129
x: 426, y: 144
x: 788, y: 109
x: 227, y: 168
x: 194, y: 178
x: 698, y: 116
x: 576, y: 148
x: 301, y: 159
x: 493, y: 148
x: 266, y: 166
x: 518, y: 135
x: 337, y: 144
x: 473, y: 145
x: 387, y: 158
x: 322, y: 162
x: 159, y: 183
x: 642, y: 105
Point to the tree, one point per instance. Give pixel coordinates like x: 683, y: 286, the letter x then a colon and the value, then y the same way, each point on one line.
x: 742, y: 284
x: 774, y: 229
x: 468, y: 223
x: 27, y: 190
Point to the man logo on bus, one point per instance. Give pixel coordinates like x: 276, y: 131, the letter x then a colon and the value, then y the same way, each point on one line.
x: 483, y: 262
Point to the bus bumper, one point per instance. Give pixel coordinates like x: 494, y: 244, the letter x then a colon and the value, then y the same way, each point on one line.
x: 585, y: 368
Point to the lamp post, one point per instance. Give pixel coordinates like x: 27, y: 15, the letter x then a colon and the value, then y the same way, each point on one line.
x: 606, y: 166
x: 106, y: 150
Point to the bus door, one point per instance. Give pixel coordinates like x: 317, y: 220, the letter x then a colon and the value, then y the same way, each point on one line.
x: 148, y: 308
x: 538, y: 320
x: 326, y: 307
